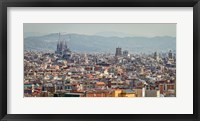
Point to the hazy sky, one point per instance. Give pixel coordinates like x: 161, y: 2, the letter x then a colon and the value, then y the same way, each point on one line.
x: 146, y: 30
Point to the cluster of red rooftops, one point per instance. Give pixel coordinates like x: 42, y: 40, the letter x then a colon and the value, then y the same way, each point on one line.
x: 99, y: 75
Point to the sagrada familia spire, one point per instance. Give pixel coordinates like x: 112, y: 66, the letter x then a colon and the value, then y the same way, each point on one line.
x: 62, y: 47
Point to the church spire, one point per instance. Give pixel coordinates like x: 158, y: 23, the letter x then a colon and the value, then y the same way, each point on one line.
x: 62, y: 47
x: 65, y: 44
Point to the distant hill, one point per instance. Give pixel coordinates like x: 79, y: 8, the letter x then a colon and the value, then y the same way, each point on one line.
x: 96, y: 43
x: 113, y: 34
x: 33, y: 34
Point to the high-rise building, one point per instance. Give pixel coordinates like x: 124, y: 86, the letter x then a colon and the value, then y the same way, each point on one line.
x: 125, y: 53
x: 118, y: 51
x: 156, y: 57
x: 170, y: 55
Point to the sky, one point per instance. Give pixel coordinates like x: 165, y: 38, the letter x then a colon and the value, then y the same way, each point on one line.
x: 120, y: 29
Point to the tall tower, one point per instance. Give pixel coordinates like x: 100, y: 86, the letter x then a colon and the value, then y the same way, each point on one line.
x: 58, y: 49
x: 170, y: 55
x: 62, y: 48
x: 125, y: 53
x: 66, y: 45
x: 66, y: 51
x: 156, y: 56
x: 118, y: 51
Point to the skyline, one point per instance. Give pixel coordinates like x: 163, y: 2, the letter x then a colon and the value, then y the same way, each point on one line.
x: 85, y: 43
x: 112, y: 64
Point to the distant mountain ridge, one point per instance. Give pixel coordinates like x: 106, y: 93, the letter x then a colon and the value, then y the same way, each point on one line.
x: 113, y: 34
x: 96, y: 43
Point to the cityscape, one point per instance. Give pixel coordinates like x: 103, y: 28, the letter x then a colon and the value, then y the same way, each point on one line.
x: 65, y: 72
